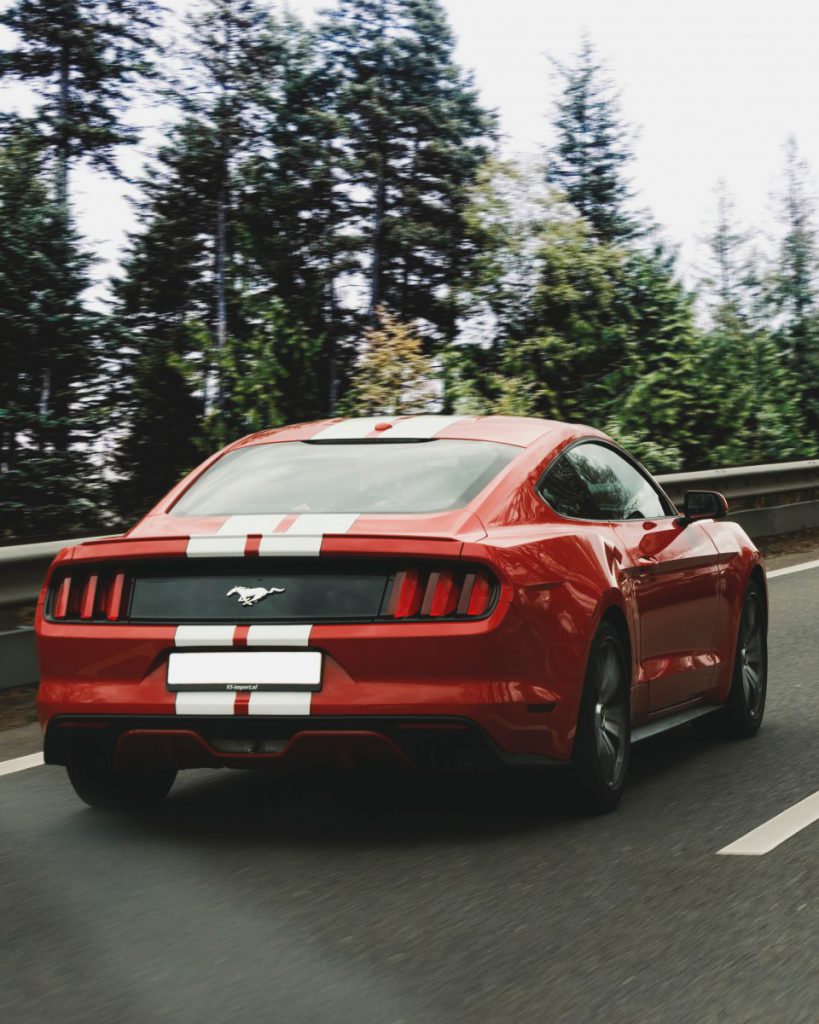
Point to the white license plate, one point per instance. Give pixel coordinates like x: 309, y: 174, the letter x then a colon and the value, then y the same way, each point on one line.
x: 245, y: 670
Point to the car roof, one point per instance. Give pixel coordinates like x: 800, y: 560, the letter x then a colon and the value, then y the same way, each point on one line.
x: 522, y: 431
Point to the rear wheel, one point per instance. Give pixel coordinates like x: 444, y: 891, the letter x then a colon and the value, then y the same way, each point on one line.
x: 603, y: 740
x: 111, y: 791
x: 741, y: 715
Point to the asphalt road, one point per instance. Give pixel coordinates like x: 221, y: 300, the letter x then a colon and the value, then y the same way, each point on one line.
x: 462, y: 901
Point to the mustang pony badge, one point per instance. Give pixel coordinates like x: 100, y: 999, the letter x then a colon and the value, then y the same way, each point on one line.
x: 249, y: 596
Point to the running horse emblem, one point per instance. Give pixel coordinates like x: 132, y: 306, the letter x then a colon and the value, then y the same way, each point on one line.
x: 248, y: 596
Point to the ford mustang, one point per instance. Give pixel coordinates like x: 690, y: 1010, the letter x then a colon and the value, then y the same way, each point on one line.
x: 433, y: 592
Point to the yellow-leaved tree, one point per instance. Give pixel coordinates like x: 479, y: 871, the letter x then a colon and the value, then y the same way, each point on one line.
x: 392, y: 375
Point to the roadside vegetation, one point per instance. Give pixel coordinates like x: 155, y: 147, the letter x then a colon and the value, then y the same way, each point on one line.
x: 328, y: 226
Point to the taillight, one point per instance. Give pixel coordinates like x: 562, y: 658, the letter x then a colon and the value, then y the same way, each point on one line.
x: 439, y: 593
x: 89, y: 596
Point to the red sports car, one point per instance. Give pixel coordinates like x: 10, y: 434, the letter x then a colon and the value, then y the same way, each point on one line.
x: 437, y: 592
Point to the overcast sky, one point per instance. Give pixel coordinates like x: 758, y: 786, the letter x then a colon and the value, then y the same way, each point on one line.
x: 714, y: 88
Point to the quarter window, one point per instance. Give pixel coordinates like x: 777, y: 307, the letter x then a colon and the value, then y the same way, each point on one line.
x: 593, y: 481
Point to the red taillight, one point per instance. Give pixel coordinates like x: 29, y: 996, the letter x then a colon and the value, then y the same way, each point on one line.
x: 439, y: 593
x: 114, y: 596
x: 407, y: 591
x: 441, y: 597
x: 61, y: 599
x: 90, y: 596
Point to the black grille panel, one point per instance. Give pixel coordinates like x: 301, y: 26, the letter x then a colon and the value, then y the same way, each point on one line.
x: 221, y: 593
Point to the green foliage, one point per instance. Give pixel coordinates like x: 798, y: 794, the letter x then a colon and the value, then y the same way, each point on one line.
x: 313, y: 178
x: 794, y: 292
x: 84, y: 57
x: 48, y: 348
x: 269, y: 378
x: 417, y: 136
x: 592, y: 149
x: 392, y: 375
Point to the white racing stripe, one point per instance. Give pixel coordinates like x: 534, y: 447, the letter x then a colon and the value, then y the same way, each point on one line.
x: 774, y: 832
x: 20, y: 764
x: 205, y: 703
x: 204, y: 636
x: 242, y: 526
x: 278, y: 636
x: 304, y: 536
x: 350, y: 430
x: 283, y: 545
x: 317, y: 523
x: 419, y: 427
x: 213, y: 546
x: 792, y: 568
x: 279, y: 703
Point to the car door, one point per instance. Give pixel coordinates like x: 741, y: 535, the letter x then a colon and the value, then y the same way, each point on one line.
x: 674, y: 575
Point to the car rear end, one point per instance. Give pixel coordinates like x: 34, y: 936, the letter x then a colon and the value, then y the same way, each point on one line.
x: 283, y: 639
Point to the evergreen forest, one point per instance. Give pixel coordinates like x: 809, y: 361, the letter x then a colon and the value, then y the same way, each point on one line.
x: 329, y: 226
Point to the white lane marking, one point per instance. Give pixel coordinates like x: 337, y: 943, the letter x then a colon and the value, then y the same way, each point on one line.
x: 312, y: 524
x: 420, y: 427
x: 214, y: 703
x: 244, y: 668
x: 351, y: 429
x: 279, y: 636
x: 204, y: 636
x: 242, y: 526
x: 279, y: 703
x: 19, y: 764
x: 211, y: 546
x: 284, y: 545
x: 793, y: 568
x: 770, y: 834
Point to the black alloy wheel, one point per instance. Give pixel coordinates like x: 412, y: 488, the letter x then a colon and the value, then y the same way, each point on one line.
x: 603, y: 740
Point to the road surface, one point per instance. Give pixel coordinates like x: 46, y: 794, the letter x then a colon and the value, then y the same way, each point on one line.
x: 244, y: 899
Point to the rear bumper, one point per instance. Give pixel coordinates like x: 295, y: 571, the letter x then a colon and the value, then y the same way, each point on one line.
x: 499, y: 675
x: 428, y: 743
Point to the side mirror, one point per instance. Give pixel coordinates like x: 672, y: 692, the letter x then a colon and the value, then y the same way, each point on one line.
x: 704, y: 505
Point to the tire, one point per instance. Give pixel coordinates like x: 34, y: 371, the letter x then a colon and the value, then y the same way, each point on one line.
x: 603, y: 738
x: 741, y: 715
x: 115, y: 791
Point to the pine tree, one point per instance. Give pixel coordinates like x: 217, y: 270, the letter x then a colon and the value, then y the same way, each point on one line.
x: 83, y: 57
x: 793, y: 287
x: 269, y: 378
x: 417, y: 136
x: 227, y: 75
x: 592, y: 151
x: 752, y: 395
x: 294, y: 212
x: 183, y: 292
x: 48, y: 349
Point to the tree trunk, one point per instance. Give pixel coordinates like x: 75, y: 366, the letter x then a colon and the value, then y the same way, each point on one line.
x: 220, y: 283
x: 63, y: 134
x: 378, y: 238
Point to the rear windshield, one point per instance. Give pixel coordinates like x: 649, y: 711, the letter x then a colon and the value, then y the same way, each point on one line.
x: 300, y: 476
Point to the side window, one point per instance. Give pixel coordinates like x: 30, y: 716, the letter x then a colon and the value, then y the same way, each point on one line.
x: 567, y: 492
x: 620, y: 490
x: 592, y: 481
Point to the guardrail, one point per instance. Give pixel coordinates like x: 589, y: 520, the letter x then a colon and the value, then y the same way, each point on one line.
x: 749, y: 490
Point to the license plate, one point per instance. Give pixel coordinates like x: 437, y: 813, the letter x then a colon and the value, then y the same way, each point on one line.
x: 245, y: 671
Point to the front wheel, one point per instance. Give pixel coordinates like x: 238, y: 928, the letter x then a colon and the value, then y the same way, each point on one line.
x: 603, y: 739
x: 112, y: 791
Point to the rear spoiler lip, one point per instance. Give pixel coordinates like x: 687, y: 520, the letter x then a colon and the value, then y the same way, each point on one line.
x: 362, y: 545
